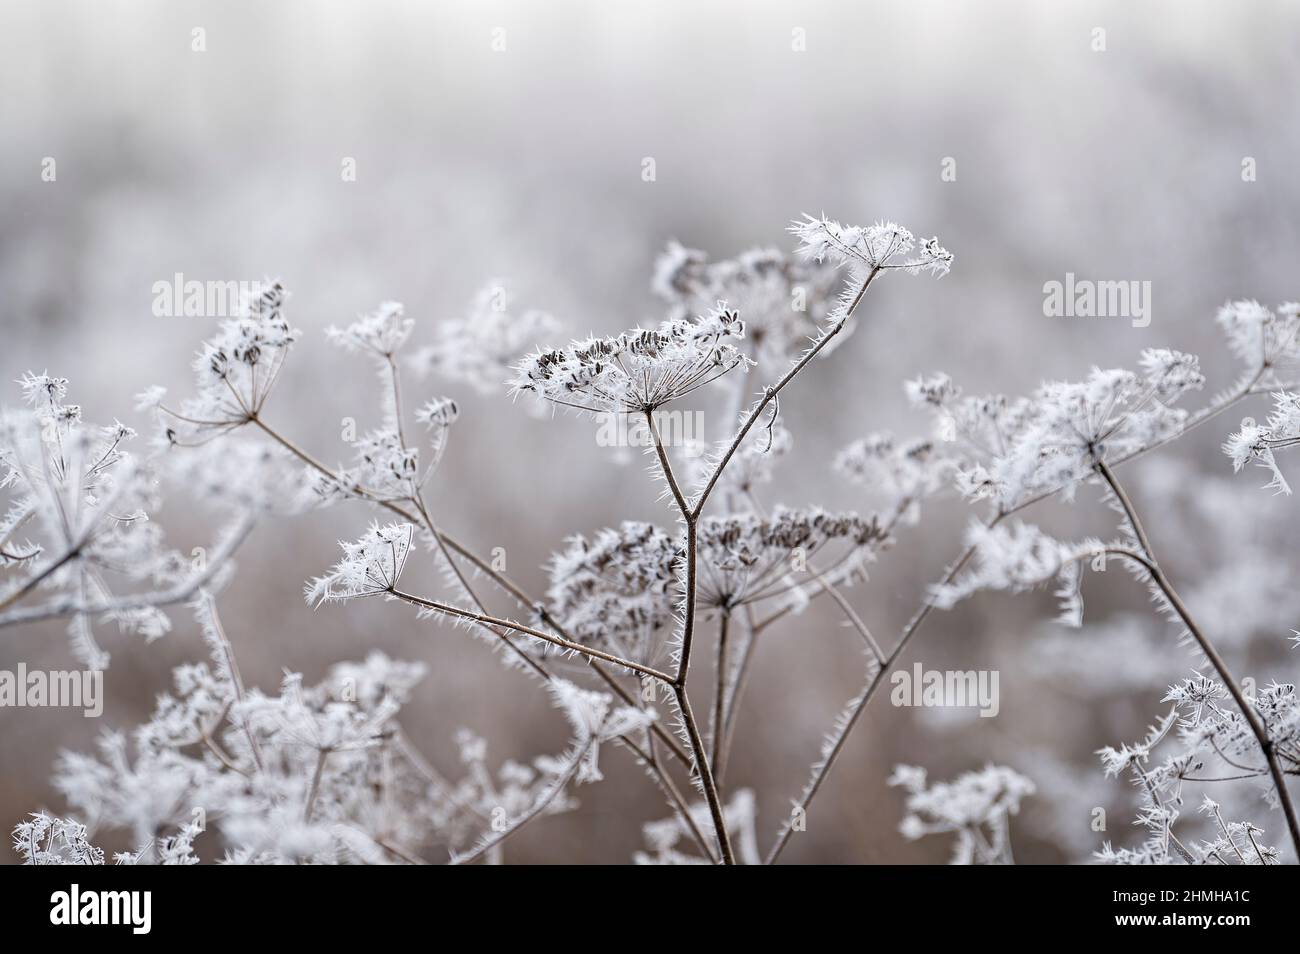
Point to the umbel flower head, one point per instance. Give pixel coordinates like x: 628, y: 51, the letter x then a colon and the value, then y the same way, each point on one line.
x: 1257, y: 442
x: 1261, y: 337
x: 1111, y: 413
x: 745, y: 558
x: 976, y: 806
x: 903, y: 472
x: 370, y: 566
x: 480, y: 348
x: 235, y: 371
x: 784, y: 299
x: 78, y: 521
x: 381, y: 333
x: 618, y: 590
x: 1011, y: 450
x: 385, y: 466
x: 876, y: 247
x: 639, y: 370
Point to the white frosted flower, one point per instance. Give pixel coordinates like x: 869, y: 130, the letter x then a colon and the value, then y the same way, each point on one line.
x: 873, y: 247
x: 1257, y: 442
x: 481, y: 347
x: 235, y: 371
x: 1053, y: 440
x: 976, y: 807
x: 370, y: 566
x: 617, y: 590
x: 746, y: 558
x: 639, y: 370
x: 382, y: 332
x: 783, y: 299
x: 1259, y: 336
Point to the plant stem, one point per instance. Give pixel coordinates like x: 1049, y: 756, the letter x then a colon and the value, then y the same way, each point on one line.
x: 678, y: 682
x: 706, y: 776
x: 671, y: 792
x: 456, y: 611
x: 1257, y: 727
x: 690, y: 516
x: 771, y: 392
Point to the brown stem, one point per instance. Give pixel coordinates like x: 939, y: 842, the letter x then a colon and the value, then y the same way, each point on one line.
x: 456, y: 611
x: 671, y: 792
x: 1248, y: 712
x: 678, y: 682
x: 771, y: 392
x: 706, y: 776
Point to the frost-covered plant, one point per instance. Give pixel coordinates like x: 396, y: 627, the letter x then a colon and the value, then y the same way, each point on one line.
x: 47, y: 840
x: 77, y: 541
x: 617, y: 590
x: 753, y: 558
x: 235, y: 372
x: 482, y: 347
x: 1018, y: 452
x: 878, y: 246
x: 1257, y: 442
x: 638, y: 371
x: 783, y: 298
x: 976, y: 807
x: 1206, y: 743
x: 627, y: 603
x: 1014, y: 451
x: 310, y: 774
x: 325, y: 773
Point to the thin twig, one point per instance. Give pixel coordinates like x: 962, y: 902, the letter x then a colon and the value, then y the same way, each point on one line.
x: 456, y: 611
